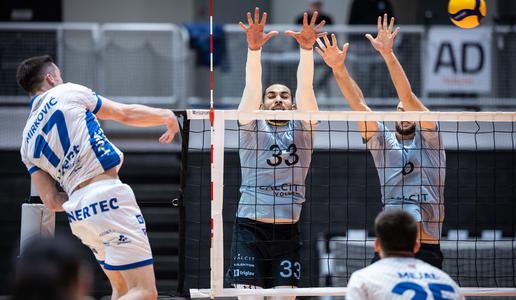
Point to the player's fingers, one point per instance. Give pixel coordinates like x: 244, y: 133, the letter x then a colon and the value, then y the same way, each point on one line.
x: 391, y: 25
x: 243, y: 26
x: 314, y: 18
x: 326, y: 41
x: 385, y: 22
x: 334, y: 40
x: 321, y: 44
x: 395, y: 32
x: 290, y: 33
x: 264, y: 19
x: 249, y: 19
x: 269, y: 35
x: 321, y: 34
x: 257, y: 15
x: 305, y: 19
x: 379, y: 25
x: 345, y: 48
x: 369, y: 37
x: 323, y: 22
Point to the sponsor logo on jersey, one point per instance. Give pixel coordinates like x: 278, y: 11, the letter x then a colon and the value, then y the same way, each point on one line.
x: 283, y: 190
x: 92, y: 210
x: 69, y: 161
x: 412, y: 198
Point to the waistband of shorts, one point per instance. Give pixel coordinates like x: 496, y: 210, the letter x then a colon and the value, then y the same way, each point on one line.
x: 95, y: 185
x: 248, y: 221
x: 430, y: 246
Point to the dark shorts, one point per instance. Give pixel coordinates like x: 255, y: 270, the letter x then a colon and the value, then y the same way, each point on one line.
x: 429, y: 253
x: 264, y: 255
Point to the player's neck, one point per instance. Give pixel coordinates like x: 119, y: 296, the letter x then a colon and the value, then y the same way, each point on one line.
x: 405, y: 254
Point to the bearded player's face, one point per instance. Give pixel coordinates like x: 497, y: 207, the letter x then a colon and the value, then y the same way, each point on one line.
x: 277, y: 97
x: 405, y: 127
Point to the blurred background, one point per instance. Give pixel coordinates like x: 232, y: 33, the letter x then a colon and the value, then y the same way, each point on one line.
x: 156, y: 52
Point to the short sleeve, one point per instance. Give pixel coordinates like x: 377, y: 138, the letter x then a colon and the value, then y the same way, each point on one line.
x: 382, y: 139
x: 31, y: 168
x: 86, y: 97
x: 356, y: 289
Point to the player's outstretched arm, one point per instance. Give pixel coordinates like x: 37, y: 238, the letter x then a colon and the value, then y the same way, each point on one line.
x: 52, y: 198
x: 305, y: 96
x: 140, y: 116
x: 256, y: 38
x: 335, y: 59
x: 383, y: 44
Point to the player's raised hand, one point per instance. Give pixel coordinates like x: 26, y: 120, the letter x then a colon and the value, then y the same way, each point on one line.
x: 309, y: 34
x: 172, y: 130
x: 256, y: 37
x: 385, y: 38
x: 330, y: 52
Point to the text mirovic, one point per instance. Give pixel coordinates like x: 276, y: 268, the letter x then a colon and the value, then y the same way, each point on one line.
x: 45, y: 110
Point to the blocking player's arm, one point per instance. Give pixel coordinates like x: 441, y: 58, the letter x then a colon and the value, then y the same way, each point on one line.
x: 46, y: 186
x: 139, y: 116
x: 383, y: 44
x: 335, y: 58
x: 305, y: 96
x: 256, y: 38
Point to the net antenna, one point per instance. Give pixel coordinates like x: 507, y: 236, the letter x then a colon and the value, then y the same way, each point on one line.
x: 216, y: 185
x: 218, y: 127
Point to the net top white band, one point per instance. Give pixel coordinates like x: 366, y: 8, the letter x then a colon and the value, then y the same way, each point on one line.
x: 356, y: 116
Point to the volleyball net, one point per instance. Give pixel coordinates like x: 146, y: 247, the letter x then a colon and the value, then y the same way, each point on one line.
x: 343, y: 195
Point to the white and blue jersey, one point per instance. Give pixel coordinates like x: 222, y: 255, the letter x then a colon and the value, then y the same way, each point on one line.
x: 274, y: 162
x: 412, y: 174
x: 63, y: 137
x: 396, y: 278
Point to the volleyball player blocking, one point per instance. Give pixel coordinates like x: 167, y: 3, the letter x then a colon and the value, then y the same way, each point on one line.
x: 275, y: 157
x: 411, y: 160
x: 64, y: 143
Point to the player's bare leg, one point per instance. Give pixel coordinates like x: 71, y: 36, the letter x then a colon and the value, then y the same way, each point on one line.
x: 141, y: 284
x: 117, y: 283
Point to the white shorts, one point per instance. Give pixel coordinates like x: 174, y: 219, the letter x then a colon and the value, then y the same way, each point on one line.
x: 104, y: 215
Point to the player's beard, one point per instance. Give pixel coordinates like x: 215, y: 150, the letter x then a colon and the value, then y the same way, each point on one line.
x: 405, y: 132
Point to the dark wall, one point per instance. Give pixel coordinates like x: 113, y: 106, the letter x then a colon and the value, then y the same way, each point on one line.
x: 31, y: 10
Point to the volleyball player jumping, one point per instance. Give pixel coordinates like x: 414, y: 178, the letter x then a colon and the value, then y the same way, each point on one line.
x: 275, y: 157
x: 411, y: 161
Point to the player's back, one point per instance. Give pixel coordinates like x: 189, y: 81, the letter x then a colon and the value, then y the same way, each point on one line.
x: 63, y: 137
x: 396, y: 278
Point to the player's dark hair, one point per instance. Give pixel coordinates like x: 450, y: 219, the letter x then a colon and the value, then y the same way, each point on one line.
x: 396, y: 230
x: 31, y: 72
x: 48, y: 268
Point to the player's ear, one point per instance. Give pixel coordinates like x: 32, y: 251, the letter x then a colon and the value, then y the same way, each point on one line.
x: 417, y: 246
x: 377, y: 247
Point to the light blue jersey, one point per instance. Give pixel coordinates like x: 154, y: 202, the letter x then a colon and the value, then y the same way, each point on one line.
x: 412, y: 174
x: 274, y: 162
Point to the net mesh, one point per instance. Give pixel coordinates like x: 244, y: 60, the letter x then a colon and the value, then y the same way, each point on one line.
x: 343, y: 196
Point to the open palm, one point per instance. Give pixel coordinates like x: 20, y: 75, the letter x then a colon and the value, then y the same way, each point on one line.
x: 308, y: 35
x: 256, y: 36
x: 330, y: 52
x: 385, y: 38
